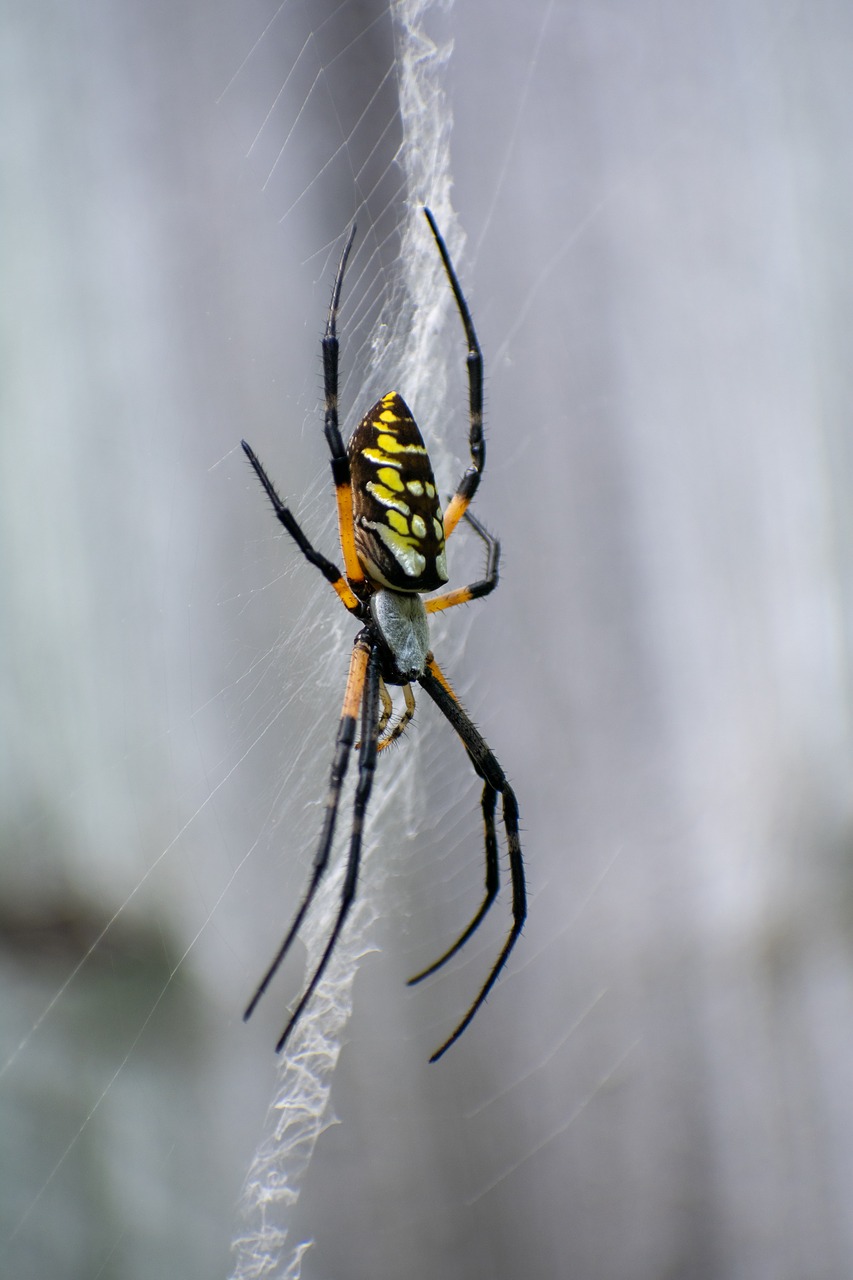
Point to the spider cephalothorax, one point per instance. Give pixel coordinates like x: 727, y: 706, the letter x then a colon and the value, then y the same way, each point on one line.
x: 393, y: 540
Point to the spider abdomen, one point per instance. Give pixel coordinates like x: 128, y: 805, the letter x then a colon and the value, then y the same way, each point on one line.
x: 397, y: 518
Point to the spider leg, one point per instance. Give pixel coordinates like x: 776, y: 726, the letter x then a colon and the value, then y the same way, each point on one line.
x: 474, y: 590
x: 387, y: 708
x: 366, y: 769
x: 384, y: 740
x: 339, y: 459
x: 489, y: 801
x: 400, y: 727
x: 467, y: 486
x: 285, y: 516
x: 387, y: 711
x: 346, y: 734
x: 340, y: 465
x: 486, y: 765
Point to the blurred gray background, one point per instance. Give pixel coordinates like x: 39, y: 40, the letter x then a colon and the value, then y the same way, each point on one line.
x: 657, y: 199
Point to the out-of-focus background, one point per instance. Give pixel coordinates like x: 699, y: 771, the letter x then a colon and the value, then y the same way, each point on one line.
x: 657, y: 201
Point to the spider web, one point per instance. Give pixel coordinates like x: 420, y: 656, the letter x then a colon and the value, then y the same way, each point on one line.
x: 405, y: 348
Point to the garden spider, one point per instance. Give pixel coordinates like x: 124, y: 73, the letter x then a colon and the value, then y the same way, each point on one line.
x: 393, y: 542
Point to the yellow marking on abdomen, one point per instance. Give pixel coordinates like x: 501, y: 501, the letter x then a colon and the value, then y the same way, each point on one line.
x: 386, y: 497
x: 398, y: 522
x: 408, y: 559
x: 389, y: 477
x: 380, y: 459
x: 391, y: 445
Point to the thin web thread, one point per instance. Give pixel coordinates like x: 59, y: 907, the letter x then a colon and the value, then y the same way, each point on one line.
x: 406, y: 344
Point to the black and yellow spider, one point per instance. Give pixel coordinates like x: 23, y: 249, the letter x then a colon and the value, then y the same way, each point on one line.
x: 393, y: 539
